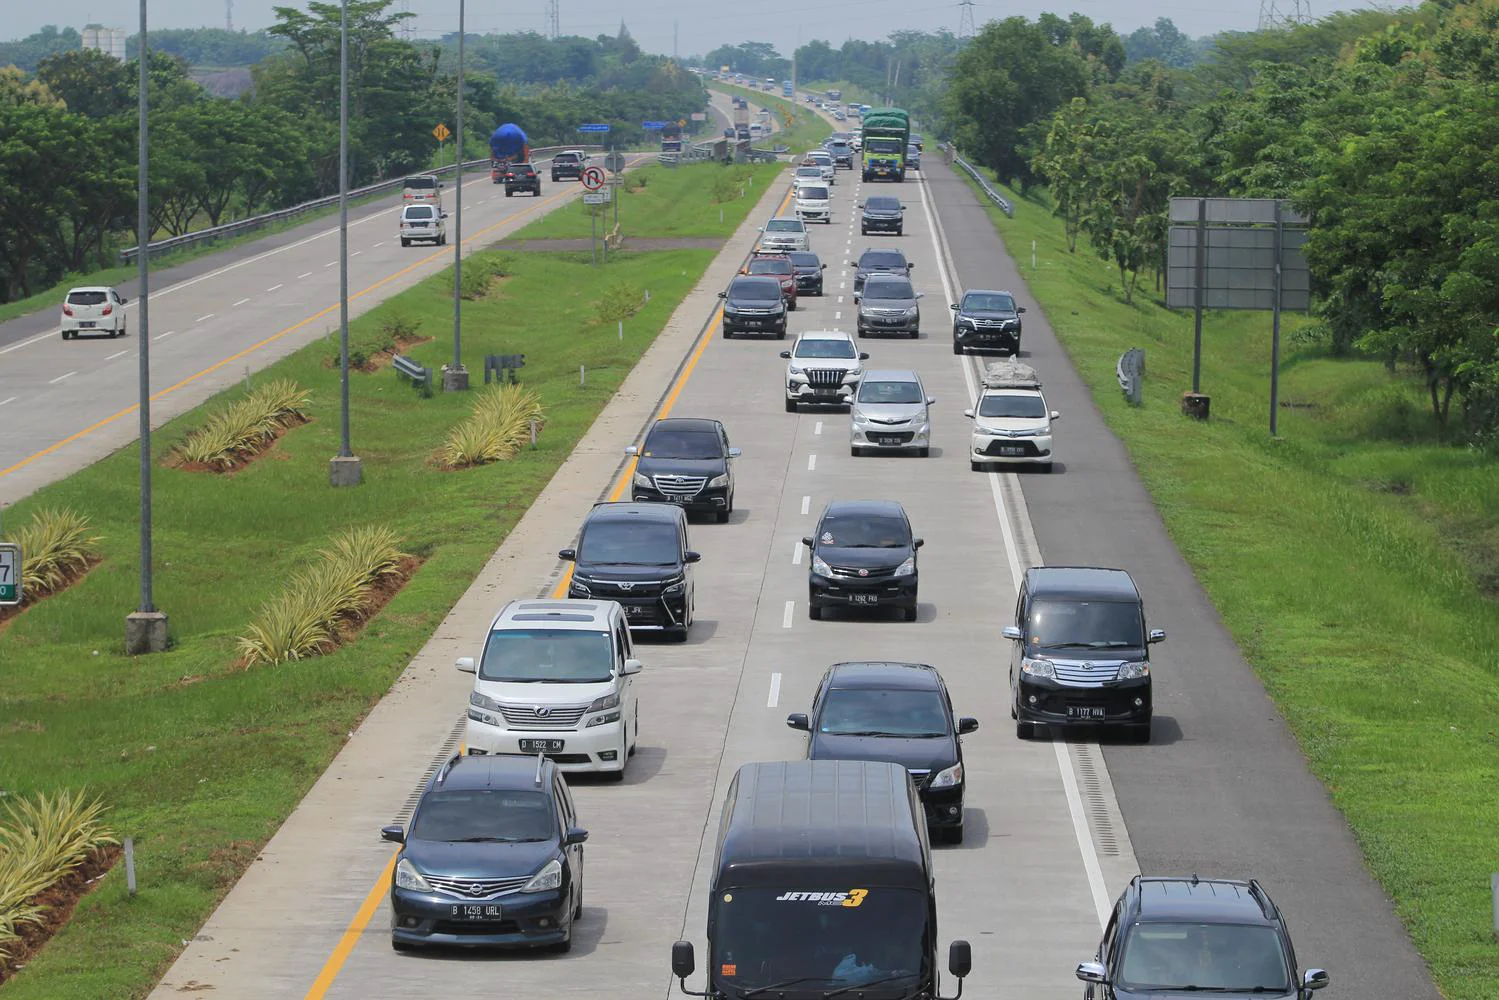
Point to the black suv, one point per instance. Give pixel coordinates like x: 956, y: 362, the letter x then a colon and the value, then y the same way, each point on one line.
x: 878, y: 262
x: 808, y: 271
x: 754, y: 302
x: 1081, y: 651
x: 883, y: 214
x: 494, y: 857
x: 986, y: 319
x: 522, y: 177
x: 1182, y: 935
x: 637, y: 554
x: 842, y: 153
x: 569, y: 165
x: 863, y: 556
x: 686, y: 461
x: 896, y: 712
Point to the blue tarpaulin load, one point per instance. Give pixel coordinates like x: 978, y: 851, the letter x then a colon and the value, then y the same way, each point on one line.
x: 509, y: 143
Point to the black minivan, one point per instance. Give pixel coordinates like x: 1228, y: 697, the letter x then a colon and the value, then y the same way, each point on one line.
x: 863, y: 556
x: 637, y: 554
x: 686, y: 461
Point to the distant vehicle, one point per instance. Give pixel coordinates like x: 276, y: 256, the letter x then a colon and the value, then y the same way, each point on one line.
x: 779, y: 265
x: 835, y: 95
x: 913, y: 156
x: 808, y: 175
x: 686, y: 461
x: 507, y: 145
x: 568, y: 164
x: 842, y: 153
x: 93, y: 310
x: 890, y: 412
x: 863, y: 555
x: 754, y: 303
x: 1011, y: 421
x: 886, y: 133
x: 878, y: 262
x: 986, y: 319
x: 888, y: 304
x: 808, y: 271
x: 522, y: 177
x: 782, y: 234
x: 421, y: 187
x: 422, y: 223
x: 882, y: 213
x: 639, y: 555
x: 823, y: 368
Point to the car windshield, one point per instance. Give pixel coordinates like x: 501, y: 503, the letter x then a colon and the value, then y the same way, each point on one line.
x: 988, y: 303
x: 672, y: 442
x: 755, y: 290
x: 783, y: 226
x: 631, y: 542
x: 813, y: 171
x: 819, y: 935
x: 461, y: 815
x: 873, y: 531
x: 889, y: 392
x: 1085, y: 625
x: 86, y: 298
x: 889, y: 289
x: 874, y: 712
x: 419, y: 212
x: 882, y: 146
x: 769, y: 265
x: 882, y: 205
x: 883, y: 258
x: 550, y: 656
x: 804, y: 258
x: 1012, y: 406
x: 810, y: 193
x: 1237, y: 958
x: 824, y: 349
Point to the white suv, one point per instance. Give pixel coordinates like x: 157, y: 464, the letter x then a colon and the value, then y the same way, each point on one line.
x: 423, y: 222
x: 556, y: 677
x: 93, y: 309
x: 822, y: 367
x: 1011, y: 422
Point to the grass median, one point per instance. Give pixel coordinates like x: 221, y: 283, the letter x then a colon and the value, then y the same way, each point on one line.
x: 200, y: 760
x: 1355, y: 561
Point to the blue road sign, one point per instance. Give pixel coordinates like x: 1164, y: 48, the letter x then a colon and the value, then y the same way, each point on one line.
x: 593, y: 128
x: 653, y: 126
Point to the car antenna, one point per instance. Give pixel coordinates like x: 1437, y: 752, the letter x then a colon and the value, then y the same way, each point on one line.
x: 541, y: 759
x: 1195, y: 879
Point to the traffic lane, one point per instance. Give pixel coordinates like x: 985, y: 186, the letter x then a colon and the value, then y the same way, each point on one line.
x: 1223, y: 788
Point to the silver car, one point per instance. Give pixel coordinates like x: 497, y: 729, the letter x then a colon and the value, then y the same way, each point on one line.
x: 888, y: 304
x: 890, y: 413
x: 782, y: 235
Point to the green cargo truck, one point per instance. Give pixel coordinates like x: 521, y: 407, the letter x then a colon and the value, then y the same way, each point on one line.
x: 886, y: 132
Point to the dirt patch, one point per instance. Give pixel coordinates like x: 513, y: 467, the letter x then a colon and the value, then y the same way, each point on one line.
x: 634, y: 244
x: 6, y: 614
x: 243, y: 457
x: 58, y: 901
x: 224, y: 865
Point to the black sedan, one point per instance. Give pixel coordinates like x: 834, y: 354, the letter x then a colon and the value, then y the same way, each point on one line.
x: 883, y: 214
x: 986, y: 319
x: 686, y: 461
x: 896, y: 712
x: 809, y: 268
x: 878, y: 262
x: 863, y: 556
x: 494, y: 857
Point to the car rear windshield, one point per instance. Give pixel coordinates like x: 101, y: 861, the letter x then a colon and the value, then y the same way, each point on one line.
x: 810, y: 193
x: 1012, y: 406
x: 551, y: 656
x: 784, y: 226
x: 565, y: 158
x: 1229, y: 958
x: 769, y: 265
x: 890, y: 288
x: 87, y: 298
x: 883, y: 204
x: 889, y: 392
x: 673, y: 442
x: 476, y: 815
x: 1085, y: 625
x: 872, y: 712
x: 755, y: 290
x: 825, y: 349
x: 864, y: 531
x: 883, y: 258
x: 419, y: 212
x: 421, y: 183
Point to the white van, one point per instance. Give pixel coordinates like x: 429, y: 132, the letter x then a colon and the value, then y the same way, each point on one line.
x: 423, y: 221
x: 813, y: 204
x: 556, y: 677
x: 421, y: 187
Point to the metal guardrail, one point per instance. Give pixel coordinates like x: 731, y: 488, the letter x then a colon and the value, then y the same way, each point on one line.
x: 1130, y: 370
x: 421, y: 378
x: 259, y: 221
x: 983, y: 182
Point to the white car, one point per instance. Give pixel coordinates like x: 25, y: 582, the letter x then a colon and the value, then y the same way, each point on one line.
x: 1011, y: 422
x: 813, y: 203
x: 781, y: 235
x: 823, y: 367
x: 824, y: 161
x: 423, y: 223
x: 808, y: 175
x: 890, y: 413
x: 556, y: 677
x: 93, y: 309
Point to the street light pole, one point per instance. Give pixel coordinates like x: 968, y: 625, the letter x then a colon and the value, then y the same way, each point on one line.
x: 455, y: 378
x: 145, y: 628
x: 345, y: 469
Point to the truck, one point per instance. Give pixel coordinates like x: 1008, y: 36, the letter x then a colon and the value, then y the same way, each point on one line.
x: 885, y: 132
x: 822, y: 883
x: 671, y: 138
x: 835, y: 95
x: 741, y: 121
x: 508, y: 144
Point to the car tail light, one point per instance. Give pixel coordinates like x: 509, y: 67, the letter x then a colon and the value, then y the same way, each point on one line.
x: 67, y: 310
x: 107, y: 310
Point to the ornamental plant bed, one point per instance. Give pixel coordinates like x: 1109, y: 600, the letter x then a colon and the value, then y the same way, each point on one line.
x: 242, y: 457
x: 57, y: 902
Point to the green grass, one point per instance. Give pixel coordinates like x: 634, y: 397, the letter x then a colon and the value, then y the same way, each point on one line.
x: 1355, y: 561
x: 807, y: 130
x: 200, y: 761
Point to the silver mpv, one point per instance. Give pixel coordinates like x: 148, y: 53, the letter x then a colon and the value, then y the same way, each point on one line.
x: 890, y: 412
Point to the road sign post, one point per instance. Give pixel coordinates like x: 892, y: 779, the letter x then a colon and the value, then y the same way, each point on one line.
x: 10, y: 574
x: 593, y: 178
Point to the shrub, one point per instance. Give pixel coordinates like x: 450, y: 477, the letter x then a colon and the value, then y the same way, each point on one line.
x: 479, y: 272
x: 54, y: 546
x: 496, y: 429
x: 621, y: 301
x: 244, y: 424
x: 303, y: 620
x: 41, y: 840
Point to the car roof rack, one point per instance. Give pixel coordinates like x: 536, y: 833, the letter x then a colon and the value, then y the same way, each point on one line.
x: 1011, y: 374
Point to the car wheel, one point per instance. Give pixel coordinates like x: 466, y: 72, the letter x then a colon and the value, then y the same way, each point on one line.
x: 728, y: 334
x: 578, y: 909
x: 923, y: 452
x: 781, y: 333
x: 566, y: 944
x: 400, y: 945
x: 791, y: 306
x: 915, y: 334
x: 814, y: 612
x: 953, y: 834
x: 1023, y: 730
x: 790, y: 406
x: 509, y: 193
x: 863, y: 231
x: 900, y: 232
x: 854, y: 450
x: 859, y: 331
x: 1140, y: 733
x: 910, y: 613
x: 957, y: 348
x: 976, y: 466
x: 65, y: 335
x: 405, y: 243
x: 1046, y: 467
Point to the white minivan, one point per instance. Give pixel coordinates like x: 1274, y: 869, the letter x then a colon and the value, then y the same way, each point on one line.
x: 556, y: 677
x: 813, y: 204
x: 423, y: 222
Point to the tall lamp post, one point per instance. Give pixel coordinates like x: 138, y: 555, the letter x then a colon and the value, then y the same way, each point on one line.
x: 345, y: 468
x: 455, y: 376
x: 146, y: 627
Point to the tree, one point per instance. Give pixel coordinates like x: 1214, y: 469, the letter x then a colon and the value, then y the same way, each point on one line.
x: 28, y: 53
x: 91, y: 83
x: 1068, y: 162
x: 15, y: 89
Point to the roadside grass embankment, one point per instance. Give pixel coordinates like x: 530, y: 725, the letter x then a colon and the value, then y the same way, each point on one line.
x: 1355, y: 560
x: 201, y: 758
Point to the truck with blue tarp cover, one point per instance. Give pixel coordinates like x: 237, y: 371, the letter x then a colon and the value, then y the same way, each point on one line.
x: 508, y: 144
x: 886, y: 133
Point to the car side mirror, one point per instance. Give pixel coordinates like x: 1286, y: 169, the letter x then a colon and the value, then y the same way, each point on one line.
x: 853, y: 263
x: 735, y: 452
x: 723, y: 295
x: 807, y: 541
x: 632, y: 667
x: 968, y: 414
x: 760, y: 230
x: 863, y: 355
x: 798, y: 720
x: 567, y: 555
x: 966, y: 725
x: 823, y: 266
x: 1056, y: 415
x: 959, y: 958
x: 124, y: 301
x: 465, y: 664
x: 445, y: 215
x: 921, y: 295
x: 632, y: 450
x: 683, y: 962
x: 394, y: 834
x: 953, y: 307
x: 692, y: 557
x: 930, y: 400
x: 917, y: 543
x: 1092, y: 972
x: 786, y: 355
x: 1315, y: 979
x: 1157, y: 635
x: 1021, y: 309
x: 909, y: 265
x: 575, y: 835
x: 1011, y: 632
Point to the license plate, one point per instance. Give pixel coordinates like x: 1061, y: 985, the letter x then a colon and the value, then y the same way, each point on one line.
x: 86, y: 326
x: 825, y: 392
x: 676, y: 499
x: 864, y: 598
x: 542, y: 746
x: 1011, y: 449
x: 1084, y: 712
x: 474, y: 911
x: 635, y: 611
x: 754, y: 323
x: 886, y: 439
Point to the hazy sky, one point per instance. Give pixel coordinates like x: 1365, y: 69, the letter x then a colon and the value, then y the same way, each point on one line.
x: 700, y: 26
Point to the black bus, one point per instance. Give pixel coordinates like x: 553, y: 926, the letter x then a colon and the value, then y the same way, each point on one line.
x: 822, y: 885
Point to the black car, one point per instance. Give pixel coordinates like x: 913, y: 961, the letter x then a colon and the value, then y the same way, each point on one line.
x: 568, y: 165
x: 878, y: 262
x: 863, y: 556
x: 809, y: 270
x: 1081, y: 651
x: 843, y: 154
x: 896, y: 712
x: 883, y: 214
x: 686, y: 461
x: 494, y: 857
x: 637, y: 554
x: 1184, y: 935
x: 754, y: 302
x: 986, y: 319
x: 522, y: 177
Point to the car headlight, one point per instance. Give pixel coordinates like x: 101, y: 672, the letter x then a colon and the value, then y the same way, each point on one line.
x: 795, y: 370
x: 602, y: 720
x: 820, y: 567
x: 642, y: 480
x: 913, y: 311
x: 858, y: 418
x: 478, y: 700
x: 675, y: 586
x: 1133, y: 671
x: 550, y: 877
x: 906, y: 568
x: 949, y: 777
x: 407, y: 877
x: 853, y: 374
x: 579, y: 587
x: 923, y: 430
x: 1038, y: 668
x: 718, y: 481
x: 605, y: 703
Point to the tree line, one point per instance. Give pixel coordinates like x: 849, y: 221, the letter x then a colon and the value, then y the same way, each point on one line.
x: 1380, y: 125
x: 68, y: 129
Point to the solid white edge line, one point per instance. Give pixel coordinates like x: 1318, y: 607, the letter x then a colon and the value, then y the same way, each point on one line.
x: 806, y: 503
x: 786, y: 615
x: 61, y: 377
x: 775, y: 691
x: 1080, y: 830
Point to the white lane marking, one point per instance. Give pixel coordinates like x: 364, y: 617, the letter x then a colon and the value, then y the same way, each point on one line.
x: 61, y: 377
x: 811, y: 463
x: 8, y: 399
x: 796, y: 553
x: 116, y: 354
x: 356, y: 253
x: 239, y: 303
x: 837, y: 315
x: 380, y: 244
x: 201, y: 319
x: 1101, y: 901
x: 786, y: 615
x: 305, y: 274
x: 806, y: 504
x: 330, y: 263
x: 273, y: 287
x: 818, y: 428
x: 163, y: 336
x: 775, y: 691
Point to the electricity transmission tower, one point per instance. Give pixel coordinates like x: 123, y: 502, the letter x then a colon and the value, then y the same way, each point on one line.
x: 965, y: 19
x: 229, y: 15
x: 554, y: 19
x: 1284, y: 13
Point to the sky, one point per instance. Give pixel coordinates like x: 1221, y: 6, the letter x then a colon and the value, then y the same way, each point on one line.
x: 699, y: 26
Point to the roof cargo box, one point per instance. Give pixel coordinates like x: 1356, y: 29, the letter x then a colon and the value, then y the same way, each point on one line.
x: 1011, y: 374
